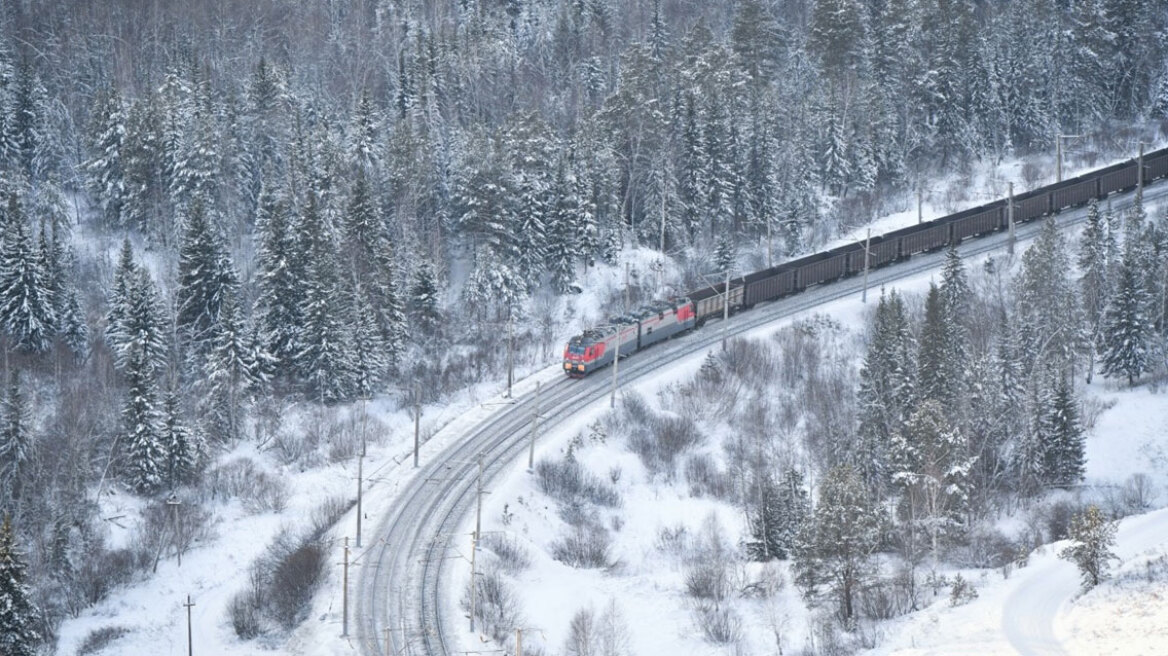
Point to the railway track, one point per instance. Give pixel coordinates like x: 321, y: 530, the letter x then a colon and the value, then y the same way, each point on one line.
x: 401, y: 604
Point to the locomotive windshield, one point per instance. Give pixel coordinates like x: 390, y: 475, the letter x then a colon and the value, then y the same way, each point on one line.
x: 576, y: 349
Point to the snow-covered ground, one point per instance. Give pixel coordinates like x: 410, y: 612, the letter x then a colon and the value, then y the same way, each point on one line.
x: 647, y: 587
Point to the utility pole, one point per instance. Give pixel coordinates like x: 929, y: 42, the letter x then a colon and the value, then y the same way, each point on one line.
x: 770, y: 246
x: 1010, y: 215
x: 174, y: 502
x: 360, y: 473
x: 1059, y: 154
x: 534, y: 428
x: 417, y: 420
x: 615, y: 366
x: 345, y: 594
x: 190, y: 638
x: 1059, y: 158
x: 510, y: 353
x: 626, y: 285
x: 479, y: 509
x: 518, y: 642
x: 1140, y: 177
x: 726, y: 311
x: 867, y: 250
x: 920, y: 203
x: 474, y: 584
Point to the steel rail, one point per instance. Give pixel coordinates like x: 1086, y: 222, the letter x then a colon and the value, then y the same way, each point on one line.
x: 412, y: 552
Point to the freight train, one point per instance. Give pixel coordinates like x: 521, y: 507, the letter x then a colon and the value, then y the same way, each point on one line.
x: 597, y: 347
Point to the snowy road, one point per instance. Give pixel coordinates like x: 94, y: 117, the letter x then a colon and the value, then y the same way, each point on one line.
x: 402, y: 597
x: 1029, y: 614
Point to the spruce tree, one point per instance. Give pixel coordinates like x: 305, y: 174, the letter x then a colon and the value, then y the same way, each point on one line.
x: 26, y: 305
x: 181, y: 446
x: 887, y: 386
x: 424, y: 301
x: 1064, y: 457
x: 281, y: 281
x: 118, y: 301
x: 15, y: 440
x: 1127, y: 328
x: 146, y: 455
x: 325, y: 361
x: 205, y: 278
x: 370, y: 361
x: 1092, y: 538
x: 18, y: 617
x: 142, y: 334
x: 104, y: 170
x: 836, y: 544
x: 1093, y: 282
x: 229, y: 370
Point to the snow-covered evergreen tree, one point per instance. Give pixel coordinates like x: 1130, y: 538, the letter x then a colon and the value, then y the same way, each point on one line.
x: 1094, y: 280
x: 229, y: 371
x: 107, y: 178
x: 836, y: 544
x: 281, y: 280
x: 182, y: 447
x: 205, y: 278
x: 1127, y: 328
x: 1063, y: 451
x: 26, y: 304
x: 887, y: 387
x: 146, y: 455
x: 16, y: 446
x: 324, y: 362
x: 18, y: 616
x: 776, y: 520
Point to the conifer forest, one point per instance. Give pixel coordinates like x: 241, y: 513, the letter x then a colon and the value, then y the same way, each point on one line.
x: 213, y: 211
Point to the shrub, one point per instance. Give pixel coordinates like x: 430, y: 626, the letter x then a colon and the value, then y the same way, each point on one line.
x: 496, y: 607
x: 584, y: 546
x: 243, y: 479
x: 962, y: 592
x: 295, y: 578
x: 568, y: 482
x: 705, y: 478
x: 99, y: 639
x: 718, y: 623
x: 513, y: 558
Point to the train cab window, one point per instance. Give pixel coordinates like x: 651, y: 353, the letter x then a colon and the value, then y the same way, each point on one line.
x: 660, y: 316
x: 576, y: 349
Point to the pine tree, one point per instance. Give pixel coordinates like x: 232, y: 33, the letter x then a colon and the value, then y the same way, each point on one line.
x: 107, y: 178
x: 778, y: 517
x: 370, y: 361
x: 424, y: 301
x: 26, y: 306
x: 145, y: 453
x: 887, y: 387
x: 119, y: 296
x: 182, y: 447
x: 1127, y: 328
x: 1064, y: 457
x: 325, y: 361
x: 141, y: 339
x: 18, y: 634
x: 933, y: 375
x: 1093, y: 283
x: 1049, y: 317
x: 931, y: 465
x: 205, y: 278
x: 1092, y: 538
x: 281, y: 281
x: 15, y: 440
x: 836, y: 545
x: 229, y: 371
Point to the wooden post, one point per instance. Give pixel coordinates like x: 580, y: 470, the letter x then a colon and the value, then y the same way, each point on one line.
x: 190, y: 636
x: 345, y: 593
x: 1010, y: 216
x: 417, y: 421
x: 534, y: 428
x: 615, y: 367
x: 726, y: 312
x: 867, y: 250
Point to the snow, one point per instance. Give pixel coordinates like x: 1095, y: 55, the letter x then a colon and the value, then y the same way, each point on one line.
x: 647, y: 585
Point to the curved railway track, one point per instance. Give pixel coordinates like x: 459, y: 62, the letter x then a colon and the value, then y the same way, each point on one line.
x: 401, y: 604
